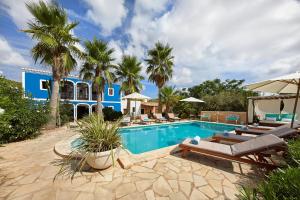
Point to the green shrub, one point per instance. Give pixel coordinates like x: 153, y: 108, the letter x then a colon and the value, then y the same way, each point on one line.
x: 282, y: 185
x: 293, y: 157
x: 22, y: 117
x: 66, y: 113
x: 110, y: 114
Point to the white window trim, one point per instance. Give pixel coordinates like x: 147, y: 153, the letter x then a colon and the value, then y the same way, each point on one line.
x: 113, y: 107
x: 113, y: 91
x: 41, y: 84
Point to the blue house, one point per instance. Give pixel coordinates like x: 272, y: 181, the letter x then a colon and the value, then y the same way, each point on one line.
x: 79, y: 93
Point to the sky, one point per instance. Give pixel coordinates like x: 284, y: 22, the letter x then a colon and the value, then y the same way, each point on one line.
x: 233, y: 39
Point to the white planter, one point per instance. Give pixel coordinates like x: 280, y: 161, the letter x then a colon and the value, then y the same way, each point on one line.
x: 103, y: 160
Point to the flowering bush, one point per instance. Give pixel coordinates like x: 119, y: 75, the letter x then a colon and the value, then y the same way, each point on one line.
x: 22, y: 118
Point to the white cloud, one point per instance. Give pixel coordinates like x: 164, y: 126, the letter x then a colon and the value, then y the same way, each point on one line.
x: 118, y: 53
x: 107, y: 14
x: 18, y: 11
x: 10, y: 56
x: 211, y: 39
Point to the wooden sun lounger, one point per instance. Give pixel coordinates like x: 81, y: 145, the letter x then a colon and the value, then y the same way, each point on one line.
x: 278, y: 130
x: 159, y: 117
x: 282, y: 132
x: 251, y: 151
x: 172, y: 117
x: 145, y: 119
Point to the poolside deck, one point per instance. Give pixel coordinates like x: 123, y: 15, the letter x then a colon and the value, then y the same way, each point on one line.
x: 27, y: 171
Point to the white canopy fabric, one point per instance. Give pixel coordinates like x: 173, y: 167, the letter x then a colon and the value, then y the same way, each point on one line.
x: 283, y: 84
x: 192, y: 99
x: 135, y: 96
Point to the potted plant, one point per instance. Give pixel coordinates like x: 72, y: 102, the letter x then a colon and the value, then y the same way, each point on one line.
x: 101, y: 141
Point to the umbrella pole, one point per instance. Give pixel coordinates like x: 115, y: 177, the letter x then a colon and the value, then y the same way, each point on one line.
x: 295, y: 106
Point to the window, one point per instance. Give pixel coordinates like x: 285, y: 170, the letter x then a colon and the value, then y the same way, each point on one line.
x: 43, y: 85
x: 110, y: 91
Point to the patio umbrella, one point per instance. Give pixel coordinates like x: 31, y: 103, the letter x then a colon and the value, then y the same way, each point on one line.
x: 136, y: 97
x: 192, y: 99
x: 282, y: 85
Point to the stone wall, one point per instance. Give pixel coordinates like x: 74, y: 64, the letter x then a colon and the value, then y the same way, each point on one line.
x: 220, y: 116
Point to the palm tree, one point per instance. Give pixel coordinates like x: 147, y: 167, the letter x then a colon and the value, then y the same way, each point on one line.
x: 128, y: 73
x: 98, y: 67
x: 169, y: 97
x: 160, y: 66
x: 55, y: 45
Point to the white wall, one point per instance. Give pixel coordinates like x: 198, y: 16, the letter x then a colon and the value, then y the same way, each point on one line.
x: 132, y: 105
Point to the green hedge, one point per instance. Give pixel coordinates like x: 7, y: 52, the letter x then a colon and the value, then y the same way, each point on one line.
x: 22, y: 117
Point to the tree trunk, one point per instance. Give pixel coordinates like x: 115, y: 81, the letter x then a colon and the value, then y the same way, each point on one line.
x: 159, y: 102
x: 99, y: 102
x: 54, y: 102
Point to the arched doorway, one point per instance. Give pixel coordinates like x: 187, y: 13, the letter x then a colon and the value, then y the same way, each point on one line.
x: 94, y: 108
x: 82, y: 110
x: 82, y: 91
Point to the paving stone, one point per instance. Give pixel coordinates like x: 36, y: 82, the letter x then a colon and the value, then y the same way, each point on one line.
x: 150, y: 164
x: 174, y: 185
x: 197, y: 195
x: 229, y: 192
x: 88, y: 187
x: 231, y: 177
x: 199, y: 180
x: 170, y: 175
x: 114, y: 184
x: 185, y: 177
x: 29, y: 178
x: 162, y: 198
x: 29, y: 188
x: 125, y: 189
x: 161, y: 187
x: 208, y: 191
x: 143, y: 185
x: 85, y: 196
x: 228, y: 184
x: 177, y: 196
x: 134, y: 196
x: 146, y: 175
x: 48, y: 193
x: 66, y: 194
x: 185, y: 187
x: 103, y: 194
x: 202, y: 172
x: 149, y: 195
x: 172, y: 167
x: 221, y: 197
x: 138, y: 168
x: 216, y: 185
x: 213, y: 175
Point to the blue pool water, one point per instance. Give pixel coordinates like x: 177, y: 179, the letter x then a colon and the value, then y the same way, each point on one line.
x: 142, y: 139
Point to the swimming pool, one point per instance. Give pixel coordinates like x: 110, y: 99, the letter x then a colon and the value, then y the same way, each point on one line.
x: 142, y: 139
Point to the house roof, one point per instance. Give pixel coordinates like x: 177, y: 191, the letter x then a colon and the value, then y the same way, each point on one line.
x: 150, y: 103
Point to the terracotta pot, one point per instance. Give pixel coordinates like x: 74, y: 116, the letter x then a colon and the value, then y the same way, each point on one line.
x: 103, y: 160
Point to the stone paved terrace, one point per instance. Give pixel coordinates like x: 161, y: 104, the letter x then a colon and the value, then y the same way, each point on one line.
x: 27, y: 171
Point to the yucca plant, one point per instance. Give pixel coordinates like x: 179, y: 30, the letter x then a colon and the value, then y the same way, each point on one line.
x: 96, y: 135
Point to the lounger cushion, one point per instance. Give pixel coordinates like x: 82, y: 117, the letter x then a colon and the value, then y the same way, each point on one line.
x: 210, y: 146
x: 235, y: 137
x: 256, y: 144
